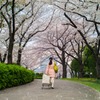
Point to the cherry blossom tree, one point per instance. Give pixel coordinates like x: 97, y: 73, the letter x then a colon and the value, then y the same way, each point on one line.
x: 83, y: 9
x: 22, y: 21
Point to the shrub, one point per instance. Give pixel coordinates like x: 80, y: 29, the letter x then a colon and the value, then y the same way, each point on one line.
x: 38, y: 75
x: 14, y: 75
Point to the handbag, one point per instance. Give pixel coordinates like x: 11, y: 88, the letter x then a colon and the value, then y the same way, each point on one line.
x: 55, y: 67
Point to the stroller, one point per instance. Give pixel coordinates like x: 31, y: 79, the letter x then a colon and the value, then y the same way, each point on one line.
x: 46, y: 81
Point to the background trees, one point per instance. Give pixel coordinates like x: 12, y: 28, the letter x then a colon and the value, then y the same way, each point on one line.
x: 89, y: 62
x: 21, y: 21
x: 82, y: 9
x: 74, y: 25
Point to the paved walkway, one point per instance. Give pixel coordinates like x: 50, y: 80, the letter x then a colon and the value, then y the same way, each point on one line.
x: 64, y: 90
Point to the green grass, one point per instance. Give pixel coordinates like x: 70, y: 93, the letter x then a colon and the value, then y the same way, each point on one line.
x: 93, y: 83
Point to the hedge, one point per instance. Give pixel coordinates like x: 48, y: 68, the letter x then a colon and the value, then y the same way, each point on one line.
x: 14, y: 75
x: 38, y: 75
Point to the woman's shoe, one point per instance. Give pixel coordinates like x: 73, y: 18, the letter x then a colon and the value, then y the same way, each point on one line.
x: 52, y: 87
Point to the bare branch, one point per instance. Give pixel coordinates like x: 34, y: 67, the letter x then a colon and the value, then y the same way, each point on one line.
x: 3, y: 5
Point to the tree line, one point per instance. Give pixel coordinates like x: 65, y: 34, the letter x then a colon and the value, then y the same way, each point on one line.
x: 80, y: 28
x: 20, y: 23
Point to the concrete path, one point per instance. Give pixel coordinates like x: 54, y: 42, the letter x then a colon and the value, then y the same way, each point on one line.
x: 64, y: 90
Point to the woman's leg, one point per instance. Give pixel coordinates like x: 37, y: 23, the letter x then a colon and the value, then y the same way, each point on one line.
x: 52, y: 81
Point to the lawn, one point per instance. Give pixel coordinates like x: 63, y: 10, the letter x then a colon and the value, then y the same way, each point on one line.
x: 93, y: 83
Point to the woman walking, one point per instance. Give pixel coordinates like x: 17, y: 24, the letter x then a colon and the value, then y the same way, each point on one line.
x: 50, y: 71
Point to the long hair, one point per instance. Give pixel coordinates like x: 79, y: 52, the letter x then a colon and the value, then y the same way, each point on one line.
x: 50, y: 62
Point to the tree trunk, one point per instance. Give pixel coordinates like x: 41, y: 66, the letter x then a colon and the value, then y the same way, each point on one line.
x: 10, y: 49
x: 64, y: 71
x: 98, y: 68
x: 97, y: 58
x: 64, y: 65
x: 80, y: 73
x: 4, y: 58
x: 19, y: 57
x: 12, y: 34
